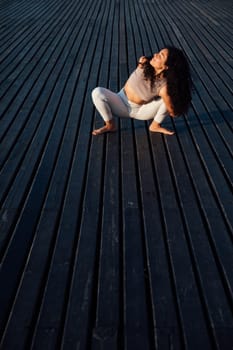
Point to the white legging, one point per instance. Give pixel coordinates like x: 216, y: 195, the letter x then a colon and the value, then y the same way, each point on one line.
x: 111, y: 104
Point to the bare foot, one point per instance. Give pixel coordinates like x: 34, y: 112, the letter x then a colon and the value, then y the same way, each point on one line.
x: 108, y: 127
x: 155, y: 127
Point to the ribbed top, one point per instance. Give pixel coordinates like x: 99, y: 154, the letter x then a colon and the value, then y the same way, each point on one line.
x: 142, y: 87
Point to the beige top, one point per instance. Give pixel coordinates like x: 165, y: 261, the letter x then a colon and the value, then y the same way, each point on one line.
x: 142, y: 87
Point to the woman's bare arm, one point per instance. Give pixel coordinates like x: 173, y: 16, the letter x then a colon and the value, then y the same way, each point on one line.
x: 167, y: 100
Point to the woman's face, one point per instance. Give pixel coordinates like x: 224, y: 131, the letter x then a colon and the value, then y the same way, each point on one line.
x: 159, y: 60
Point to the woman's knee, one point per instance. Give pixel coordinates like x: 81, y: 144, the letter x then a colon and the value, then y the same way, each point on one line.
x: 97, y: 94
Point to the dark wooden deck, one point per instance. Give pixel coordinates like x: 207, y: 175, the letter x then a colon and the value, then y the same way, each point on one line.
x: 122, y: 241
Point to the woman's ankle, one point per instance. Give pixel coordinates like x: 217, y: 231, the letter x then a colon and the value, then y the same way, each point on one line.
x: 110, y: 124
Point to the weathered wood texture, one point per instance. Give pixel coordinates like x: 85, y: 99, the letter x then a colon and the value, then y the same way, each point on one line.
x: 122, y: 241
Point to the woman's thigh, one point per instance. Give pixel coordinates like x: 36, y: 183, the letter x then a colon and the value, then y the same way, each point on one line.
x: 114, y: 102
x: 155, y: 109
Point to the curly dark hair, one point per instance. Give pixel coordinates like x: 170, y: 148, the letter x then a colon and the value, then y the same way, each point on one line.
x: 178, y: 76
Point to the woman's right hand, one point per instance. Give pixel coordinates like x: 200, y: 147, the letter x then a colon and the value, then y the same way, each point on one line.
x: 142, y: 60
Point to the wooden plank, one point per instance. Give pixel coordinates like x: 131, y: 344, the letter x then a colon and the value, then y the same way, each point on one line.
x: 167, y: 329
x: 55, y: 304
x: 30, y: 141
x: 136, y: 323
x: 106, y: 332
x: 52, y: 200
x: 199, y: 245
x: 185, y: 286
x: 29, y: 70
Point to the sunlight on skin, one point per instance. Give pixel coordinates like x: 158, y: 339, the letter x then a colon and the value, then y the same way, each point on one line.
x: 156, y: 127
x: 109, y: 127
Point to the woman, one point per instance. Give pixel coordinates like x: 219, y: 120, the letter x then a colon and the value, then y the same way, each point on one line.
x: 160, y: 85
